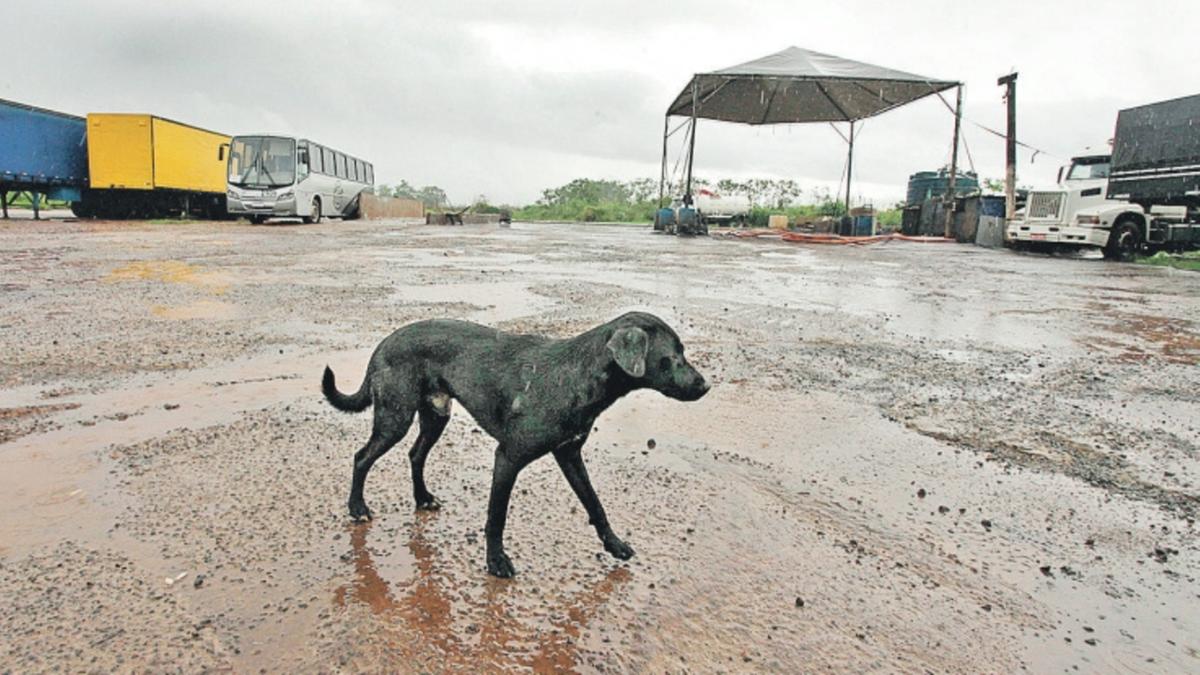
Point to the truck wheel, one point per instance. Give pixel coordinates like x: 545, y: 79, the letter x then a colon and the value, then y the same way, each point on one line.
x: 1124, y: 241
x: 315, y: 216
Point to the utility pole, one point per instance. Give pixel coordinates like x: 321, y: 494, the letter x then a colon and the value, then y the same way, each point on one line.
x: 951, y: 192
x: 1010, y: 153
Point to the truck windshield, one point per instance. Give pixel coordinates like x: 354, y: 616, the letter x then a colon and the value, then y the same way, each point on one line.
x: 1088, y: 171
x: 262, y: 162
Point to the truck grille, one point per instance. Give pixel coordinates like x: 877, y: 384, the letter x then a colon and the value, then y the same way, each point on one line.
x: 1043, y: 204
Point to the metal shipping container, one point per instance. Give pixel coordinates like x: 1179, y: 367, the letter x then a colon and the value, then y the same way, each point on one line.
x: 1156, y: 154
x: 143, y: 165
x: 42, y: 151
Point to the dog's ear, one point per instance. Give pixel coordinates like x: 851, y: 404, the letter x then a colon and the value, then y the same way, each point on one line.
x: 628, y: 347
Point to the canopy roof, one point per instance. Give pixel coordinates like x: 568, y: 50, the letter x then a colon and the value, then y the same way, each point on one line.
x: 798, y: 85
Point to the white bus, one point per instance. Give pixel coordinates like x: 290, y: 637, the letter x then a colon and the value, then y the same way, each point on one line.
x: 284, y: 177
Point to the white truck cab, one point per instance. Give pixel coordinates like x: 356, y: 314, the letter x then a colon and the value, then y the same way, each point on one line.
x: 1078, y: 213
x: 1075, y: 213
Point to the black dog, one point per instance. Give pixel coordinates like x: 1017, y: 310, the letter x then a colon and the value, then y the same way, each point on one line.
x: 533, y: 394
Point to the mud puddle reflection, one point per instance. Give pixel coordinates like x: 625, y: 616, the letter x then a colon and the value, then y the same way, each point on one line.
x: 58, y: 483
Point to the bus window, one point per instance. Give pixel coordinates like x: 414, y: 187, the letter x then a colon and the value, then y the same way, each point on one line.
x: 370, y: 175
x: 328, y: 161
x: 303, y: 161
x: 314, y: 159
x: 353, y: 169
x: 358, y: 172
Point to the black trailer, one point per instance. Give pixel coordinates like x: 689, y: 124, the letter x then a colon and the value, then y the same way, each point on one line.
x: 1156, y: 165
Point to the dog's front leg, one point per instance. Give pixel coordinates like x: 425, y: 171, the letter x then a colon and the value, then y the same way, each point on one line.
x: 570, y: 460
x: 504, y: 476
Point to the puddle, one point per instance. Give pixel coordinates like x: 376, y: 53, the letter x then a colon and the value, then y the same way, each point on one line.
x: 830, y: 459
x: 40, y: 469
x: 421, y: 606
x: 497, y: 301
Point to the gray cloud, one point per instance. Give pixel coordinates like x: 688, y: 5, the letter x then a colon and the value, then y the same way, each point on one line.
x: 507, y: 100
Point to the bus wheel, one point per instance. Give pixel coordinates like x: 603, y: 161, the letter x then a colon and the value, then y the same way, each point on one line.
x: 1123, y: 242
x: 315, y: 214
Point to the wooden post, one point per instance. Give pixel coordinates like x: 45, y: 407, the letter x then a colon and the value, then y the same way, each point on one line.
x: 849, y: 165
x: 692, y: 144
x: 1010, y: 151
x: 950, y: 187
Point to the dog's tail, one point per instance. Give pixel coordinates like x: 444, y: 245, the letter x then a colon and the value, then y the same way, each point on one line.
x: 356, y: 402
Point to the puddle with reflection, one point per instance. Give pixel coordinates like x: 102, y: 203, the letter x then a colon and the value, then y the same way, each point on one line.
x: 421, y: 606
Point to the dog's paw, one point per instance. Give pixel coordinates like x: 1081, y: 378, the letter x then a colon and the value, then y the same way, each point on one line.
x: 428, y: 503
x: 359, y: 511
x: 618, y: 548
x: 500, y: 566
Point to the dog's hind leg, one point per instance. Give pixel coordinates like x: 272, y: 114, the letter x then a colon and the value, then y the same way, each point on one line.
x: 433, y: 418
x: 393, y: 417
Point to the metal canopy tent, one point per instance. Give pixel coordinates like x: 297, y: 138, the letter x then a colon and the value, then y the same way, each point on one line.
x: 796, y: 86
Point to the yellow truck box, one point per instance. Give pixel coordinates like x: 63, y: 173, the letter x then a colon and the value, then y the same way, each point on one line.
x: 144, y: 152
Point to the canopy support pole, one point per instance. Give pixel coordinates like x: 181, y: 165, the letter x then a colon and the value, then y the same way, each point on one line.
x: 849, y: 165
x: 951, y: 194
x: 687, y: 194
x: 662, y: 173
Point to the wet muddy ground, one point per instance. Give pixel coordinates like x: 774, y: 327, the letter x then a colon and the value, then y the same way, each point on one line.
x: 914, y: 458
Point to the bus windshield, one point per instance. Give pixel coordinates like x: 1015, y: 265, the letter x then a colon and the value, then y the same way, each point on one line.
x: 262, y: 161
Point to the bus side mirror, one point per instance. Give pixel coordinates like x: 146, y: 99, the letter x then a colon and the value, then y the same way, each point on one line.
x: 1059, y: 179
x: 302, y: 156
x: 221, y: 152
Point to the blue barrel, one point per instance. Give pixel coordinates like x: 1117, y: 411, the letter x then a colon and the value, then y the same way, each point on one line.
x: 664, y: 217
x: 687, y: 216
x: 864, y: 226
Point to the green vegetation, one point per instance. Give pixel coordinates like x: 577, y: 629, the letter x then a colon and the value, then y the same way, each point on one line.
x: 1183, y: 261
x: 586, y: 200
x: 432, y: 196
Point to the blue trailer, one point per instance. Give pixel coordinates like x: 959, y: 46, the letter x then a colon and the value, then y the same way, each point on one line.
x: 42, y: 153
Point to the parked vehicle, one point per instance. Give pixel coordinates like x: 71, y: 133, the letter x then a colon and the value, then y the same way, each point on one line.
x: 284, y: 177
x: 42, y: 152
x: 715, y: 209
x: 1145, y: 195
x: 143, y: 166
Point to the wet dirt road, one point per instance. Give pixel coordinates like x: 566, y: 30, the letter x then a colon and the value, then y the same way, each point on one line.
x: 913, y: 459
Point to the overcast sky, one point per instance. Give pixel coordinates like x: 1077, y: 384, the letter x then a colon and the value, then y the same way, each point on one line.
x: 480, y: 97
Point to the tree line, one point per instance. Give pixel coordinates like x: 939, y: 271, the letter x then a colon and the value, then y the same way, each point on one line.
x: 603, y: 200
